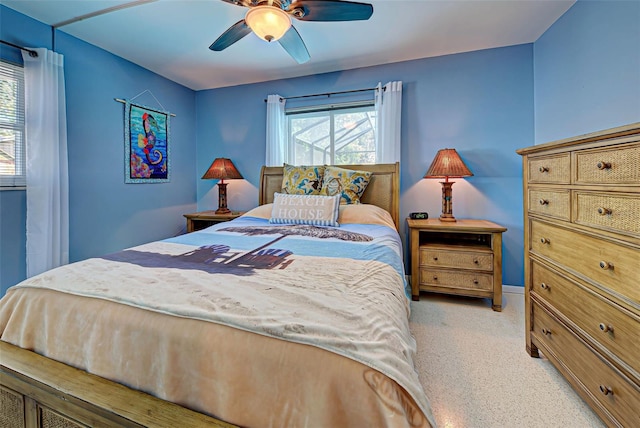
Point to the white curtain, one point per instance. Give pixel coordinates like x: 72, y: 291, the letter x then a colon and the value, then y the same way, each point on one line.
x: 46, y: 159
x: 388, y: 105
x: 277, y: 152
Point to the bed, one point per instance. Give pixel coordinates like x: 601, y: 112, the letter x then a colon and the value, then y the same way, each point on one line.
x: 245, y: 323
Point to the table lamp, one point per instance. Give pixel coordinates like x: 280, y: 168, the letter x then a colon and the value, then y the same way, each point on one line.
x: 447, y: 164
x: 222, y: 169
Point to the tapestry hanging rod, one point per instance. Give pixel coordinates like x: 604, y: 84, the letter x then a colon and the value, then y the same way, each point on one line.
x: 327, y: 94
x: 32, y: 53
x: 120, y: 100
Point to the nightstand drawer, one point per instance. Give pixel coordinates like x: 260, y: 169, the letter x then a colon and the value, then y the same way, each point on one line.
x: 550, y: 169
x: 618, y: 213
x: 604, y: 383
x: 617, y: 165
x: 438, y: 257
x: 611, y: 265
x: 456, y: 279
x: 550, y: 202
x: 611, y: 326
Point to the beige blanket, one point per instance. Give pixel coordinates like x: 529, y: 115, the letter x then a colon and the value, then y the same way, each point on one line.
x: 190, y: 343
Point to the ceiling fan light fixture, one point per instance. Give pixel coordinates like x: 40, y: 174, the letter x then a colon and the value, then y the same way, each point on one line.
x: 268, y: 22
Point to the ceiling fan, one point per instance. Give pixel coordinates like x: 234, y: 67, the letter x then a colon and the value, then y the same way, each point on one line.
x: 271, y: 21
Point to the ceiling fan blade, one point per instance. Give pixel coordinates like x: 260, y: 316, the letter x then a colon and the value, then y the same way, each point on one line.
x: 232, y: 35
x: 293, y: 44
x: 330, y: 10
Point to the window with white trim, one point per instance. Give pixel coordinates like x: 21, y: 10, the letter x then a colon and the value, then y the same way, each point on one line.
x: 12, y: 145
x: 339, y: 134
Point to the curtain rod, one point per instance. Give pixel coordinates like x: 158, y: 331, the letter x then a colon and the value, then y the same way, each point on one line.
x: 327, y: 94
x: 32, y: 53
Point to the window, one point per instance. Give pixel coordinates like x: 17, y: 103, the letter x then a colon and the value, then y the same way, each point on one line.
x: 12, y: 152
x: 332, y: 135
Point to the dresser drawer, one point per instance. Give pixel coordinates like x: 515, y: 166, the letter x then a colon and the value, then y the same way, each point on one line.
x: 616, y: 165
x: 456, y: 279
x: 550, y: 169
x: 608, y: 324
x: 615, y: 212
x: 608, y: 386
x: 615, y: 267
x: 550, y: 202
x: 438, y: 257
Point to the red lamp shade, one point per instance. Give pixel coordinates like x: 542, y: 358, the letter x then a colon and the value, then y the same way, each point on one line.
x: 222, y: 169
x: 447, y: 163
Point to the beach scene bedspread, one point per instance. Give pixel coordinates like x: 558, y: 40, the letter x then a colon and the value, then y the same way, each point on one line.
x: 341, y: 289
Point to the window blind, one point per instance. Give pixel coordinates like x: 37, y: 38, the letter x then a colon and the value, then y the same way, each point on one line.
x: 12, y: 129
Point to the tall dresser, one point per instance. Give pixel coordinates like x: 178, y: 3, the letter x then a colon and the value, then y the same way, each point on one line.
x: 582, y: 265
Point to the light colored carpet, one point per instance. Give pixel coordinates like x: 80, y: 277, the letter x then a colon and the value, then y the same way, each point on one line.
x: 477, y: 374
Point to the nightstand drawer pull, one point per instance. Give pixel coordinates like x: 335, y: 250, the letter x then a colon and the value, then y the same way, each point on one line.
x: 544, y: 169
x: 435, y: 277
x: 606, y: 327
x: 604, y: 211
x: 544, y: 201
x: 606, y: 265
x: 545, y: 240
x: 603, y: 165
x: 606, y: 390
x: 435, y: 259
x: 475, y: 281
x: 546, y: 331
x: 545, y: 286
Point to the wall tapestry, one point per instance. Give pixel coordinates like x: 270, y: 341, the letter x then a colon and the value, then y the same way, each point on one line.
x: 147, y: 154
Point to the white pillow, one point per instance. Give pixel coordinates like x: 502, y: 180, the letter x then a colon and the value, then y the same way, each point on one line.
x: 305, y: 209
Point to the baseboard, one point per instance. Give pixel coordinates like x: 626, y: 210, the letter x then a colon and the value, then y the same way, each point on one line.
x: 514, y: 289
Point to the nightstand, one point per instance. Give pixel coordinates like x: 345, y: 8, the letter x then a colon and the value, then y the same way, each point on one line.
x: 204, y: 219
x: 462, y: 258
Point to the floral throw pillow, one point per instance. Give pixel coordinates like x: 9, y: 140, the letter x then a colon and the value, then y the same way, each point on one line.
x: 302, y: 180
x: 349, y: 184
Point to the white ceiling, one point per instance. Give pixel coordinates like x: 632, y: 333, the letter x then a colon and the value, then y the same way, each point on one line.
x: 172, y: 37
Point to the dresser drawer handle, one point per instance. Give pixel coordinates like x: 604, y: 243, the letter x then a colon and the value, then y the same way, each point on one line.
x: 606, y: 327
x: 603, y: 165
x: 475, y: 281
x: 475, y: 261
x: 544, y: 201
x: 545, y: 286
x: 546, y: 331
x: 604, y: 211
x: 606, y: 265
x: 545, y: 240
x: 606, y: 390
x: 435, y: 259
x: 543, y: 169
x: 435, y: 277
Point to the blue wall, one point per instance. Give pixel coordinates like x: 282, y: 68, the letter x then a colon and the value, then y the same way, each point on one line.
x: 106, y: 214
x: 480, y: 103
x: 582, y: 75
x: 587, y: 70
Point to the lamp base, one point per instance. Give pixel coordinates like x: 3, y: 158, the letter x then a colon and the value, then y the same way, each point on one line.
x: 222, y: 199
x: 447, y: 217
x: 447, y: 202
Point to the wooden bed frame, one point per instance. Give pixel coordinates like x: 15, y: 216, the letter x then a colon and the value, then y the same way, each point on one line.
x: 36, y: 391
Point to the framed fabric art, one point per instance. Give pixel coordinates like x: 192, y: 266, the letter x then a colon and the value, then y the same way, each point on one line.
x: 147, y: 154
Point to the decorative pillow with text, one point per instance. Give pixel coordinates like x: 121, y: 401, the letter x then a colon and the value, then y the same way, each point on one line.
x: 305, y: 209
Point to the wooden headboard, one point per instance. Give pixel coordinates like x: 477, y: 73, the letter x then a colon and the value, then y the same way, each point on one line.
x: 383, y: 189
